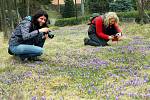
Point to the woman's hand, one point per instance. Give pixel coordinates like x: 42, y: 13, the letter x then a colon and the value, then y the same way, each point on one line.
x: 111, y: 37
x: 44, y: 30
x: 45, y: 36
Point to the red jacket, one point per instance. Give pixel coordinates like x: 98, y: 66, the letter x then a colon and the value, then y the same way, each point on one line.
x: 99, y: 28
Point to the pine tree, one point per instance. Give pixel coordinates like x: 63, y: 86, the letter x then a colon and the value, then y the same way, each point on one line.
x: 121, y: 5
x: 69, y: 9
x: 97, y: 6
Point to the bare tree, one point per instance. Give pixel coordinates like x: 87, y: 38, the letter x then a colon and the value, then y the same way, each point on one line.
x: 76, y: 9
x: 28, y: 7
x: 4, y: 18
x: 58, y: 6
x: 144, y: 18
x: 82, y: 7
x: 11, y: 12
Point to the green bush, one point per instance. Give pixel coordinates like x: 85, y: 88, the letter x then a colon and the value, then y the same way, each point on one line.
x: 79, y: 20
x: 71, y: 21
x: 131, y: 14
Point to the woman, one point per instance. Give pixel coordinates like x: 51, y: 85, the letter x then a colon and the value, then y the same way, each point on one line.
x: 28, y: 38
x: 102, y: 29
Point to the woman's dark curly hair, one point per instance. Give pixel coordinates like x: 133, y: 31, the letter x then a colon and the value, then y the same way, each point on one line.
x: 34, y: 22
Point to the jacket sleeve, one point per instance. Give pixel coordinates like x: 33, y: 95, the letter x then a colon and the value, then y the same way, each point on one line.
x: 25, y: 31
x: 117, y: 28
x: 99, y: 29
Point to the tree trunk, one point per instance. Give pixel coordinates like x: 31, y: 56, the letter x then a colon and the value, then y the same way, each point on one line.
x: 82, y: 7
x: 76, y: 9
x: 4, y: 23
x: 58, y: 6
x: 144, y: 18
x: 28, y: 7
x: 0, y: 16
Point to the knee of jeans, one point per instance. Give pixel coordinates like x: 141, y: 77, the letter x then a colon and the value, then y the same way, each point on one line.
x: 40, y: 51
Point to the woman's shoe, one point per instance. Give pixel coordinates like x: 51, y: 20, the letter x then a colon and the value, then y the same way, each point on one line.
x: 34, y: 59
x: 86, y: 41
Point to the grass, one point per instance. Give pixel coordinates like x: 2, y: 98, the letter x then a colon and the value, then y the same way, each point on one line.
x: 72, y: 71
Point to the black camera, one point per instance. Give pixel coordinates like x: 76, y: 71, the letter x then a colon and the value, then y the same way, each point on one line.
x: 50, y: 34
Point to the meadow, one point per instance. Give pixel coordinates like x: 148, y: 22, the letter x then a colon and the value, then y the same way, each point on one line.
x: 72, y: 71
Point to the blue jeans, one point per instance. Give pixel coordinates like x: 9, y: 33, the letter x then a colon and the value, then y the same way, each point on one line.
x: 26, y: 51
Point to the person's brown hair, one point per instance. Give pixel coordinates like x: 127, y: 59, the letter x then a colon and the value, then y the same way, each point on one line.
x: 34, y: 22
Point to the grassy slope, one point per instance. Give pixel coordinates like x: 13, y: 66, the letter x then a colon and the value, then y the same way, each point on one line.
x: 72, y: 71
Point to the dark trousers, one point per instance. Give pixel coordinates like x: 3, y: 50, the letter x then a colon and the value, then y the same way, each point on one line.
x: 94, y: 40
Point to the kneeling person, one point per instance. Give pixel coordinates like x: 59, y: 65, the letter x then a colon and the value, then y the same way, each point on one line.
x: 102, y: 29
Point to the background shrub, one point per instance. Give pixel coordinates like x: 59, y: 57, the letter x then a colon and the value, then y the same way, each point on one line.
x: 79, y: 20
x: 71, y: 21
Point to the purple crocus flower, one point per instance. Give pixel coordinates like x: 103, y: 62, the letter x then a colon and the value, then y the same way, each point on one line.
x: 43, y: 98
x: 34, y: 98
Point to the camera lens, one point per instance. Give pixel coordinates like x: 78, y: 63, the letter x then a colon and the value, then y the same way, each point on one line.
x: 50, y: 35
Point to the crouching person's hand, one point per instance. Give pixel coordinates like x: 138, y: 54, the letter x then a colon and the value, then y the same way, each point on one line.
x: 45, y: 36
x: 111, y: 37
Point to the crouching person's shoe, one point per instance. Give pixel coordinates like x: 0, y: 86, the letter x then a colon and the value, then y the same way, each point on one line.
x: 34, y: 59
x: 106, y: 44
x: 86, y: 41
x: 23, y: 60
